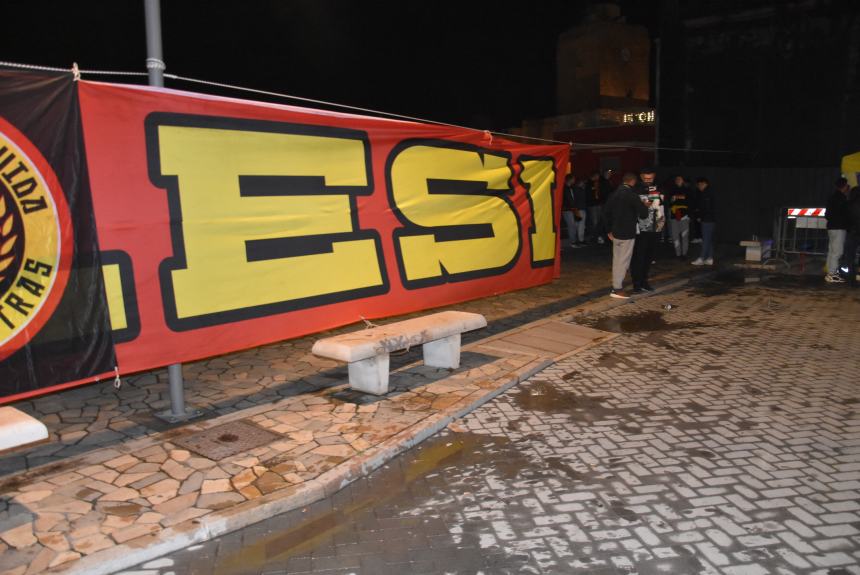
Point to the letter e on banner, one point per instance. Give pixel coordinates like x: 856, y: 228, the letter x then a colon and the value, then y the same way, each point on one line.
x: 263, y: 217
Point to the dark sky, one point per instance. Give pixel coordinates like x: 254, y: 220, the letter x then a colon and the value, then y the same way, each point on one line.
x: 488, y: 64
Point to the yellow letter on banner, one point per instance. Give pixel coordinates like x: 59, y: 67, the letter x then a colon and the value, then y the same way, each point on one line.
x: 268, y: 217
x: 459, y: 219
x: 538, y: 176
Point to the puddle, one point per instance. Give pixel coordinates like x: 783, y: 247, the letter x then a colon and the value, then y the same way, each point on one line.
x: 463, y: 460
x: 792, y: 282
x: 544, y: 396
x: 720, y: 283
x: 450, y: 457
x: 642, y: 321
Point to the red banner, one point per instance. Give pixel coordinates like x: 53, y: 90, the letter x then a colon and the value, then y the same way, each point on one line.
x: 54, y: 325
x: 226, y: 224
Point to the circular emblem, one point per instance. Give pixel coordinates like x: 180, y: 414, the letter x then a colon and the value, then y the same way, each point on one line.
x: 35, y: 240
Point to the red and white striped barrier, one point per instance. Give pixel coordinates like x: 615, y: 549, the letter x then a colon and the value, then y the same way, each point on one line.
x: 807, y: 212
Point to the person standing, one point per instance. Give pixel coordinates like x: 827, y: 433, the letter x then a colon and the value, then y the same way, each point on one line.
x: 837, y: 224
x: 678, y: 204
x: 649, y: 228
x: 706, y: 215
x: 622, y: 212
x: 580, y: 210
x: 596, y: 199
x: 695, y: 226
x: 567, y: 209
x: 852, y: 237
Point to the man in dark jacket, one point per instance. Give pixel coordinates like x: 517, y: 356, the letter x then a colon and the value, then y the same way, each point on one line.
x: 706, y: 214
x: 567, y: 209
x: 580, y: 209
x: 852, y: 237
x: 597, y: 194
x: 649, y: 228
x: 837, y: 224
x: 573, y: 210
x: 621, y: 214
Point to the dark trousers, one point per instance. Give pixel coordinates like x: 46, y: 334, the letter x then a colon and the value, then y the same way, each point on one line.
x: 849, y: 255
x: 643, y: 253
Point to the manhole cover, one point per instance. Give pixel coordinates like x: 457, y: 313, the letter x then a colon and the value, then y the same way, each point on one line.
x: 228, y: 439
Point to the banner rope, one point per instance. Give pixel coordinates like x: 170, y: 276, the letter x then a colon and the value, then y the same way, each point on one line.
x: 487, y: 133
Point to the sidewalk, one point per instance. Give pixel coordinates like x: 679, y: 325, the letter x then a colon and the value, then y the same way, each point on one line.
x: 281, y: 431
x: 718, y: 433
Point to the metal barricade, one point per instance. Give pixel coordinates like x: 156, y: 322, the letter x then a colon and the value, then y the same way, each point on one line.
x: 800, y: 232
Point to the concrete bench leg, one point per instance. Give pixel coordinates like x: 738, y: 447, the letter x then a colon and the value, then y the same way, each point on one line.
x: 370, y: 375
x: 443, y: 352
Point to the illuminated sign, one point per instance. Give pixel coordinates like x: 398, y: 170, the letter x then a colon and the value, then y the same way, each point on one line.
x: 639, y: 117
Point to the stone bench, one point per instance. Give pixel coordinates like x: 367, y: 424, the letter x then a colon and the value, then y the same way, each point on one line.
x: 367, y: 351
x: 18, y: 429
x: 757, y: 250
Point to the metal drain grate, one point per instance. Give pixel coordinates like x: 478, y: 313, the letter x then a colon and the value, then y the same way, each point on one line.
x: 227, y: 439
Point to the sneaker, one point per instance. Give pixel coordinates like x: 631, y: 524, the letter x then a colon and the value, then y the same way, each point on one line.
x: 600, y: 240
x: 696, y: 241
x: 709, y: 262
x: 618, y: 294
x: 647, y: 288
x: 638, y: 291
x: 698, y: 262
x: 834, y: 279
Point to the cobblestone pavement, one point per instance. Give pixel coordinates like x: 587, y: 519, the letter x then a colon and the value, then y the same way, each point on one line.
x: 96, y: 416
x: 721, y: 435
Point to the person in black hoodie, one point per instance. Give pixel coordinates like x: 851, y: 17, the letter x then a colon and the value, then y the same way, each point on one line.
x: 621, y: 214
x: 837, y: 224
x: 852, y: 238
x: 567, y: 209
x: 598, y: 193
x: 706, y: 214
x: 678, y: 204
x: 573, y: 210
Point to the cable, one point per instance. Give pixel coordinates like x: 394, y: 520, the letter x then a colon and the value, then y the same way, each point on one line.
x: 353, y: 108
x: 34, y: 67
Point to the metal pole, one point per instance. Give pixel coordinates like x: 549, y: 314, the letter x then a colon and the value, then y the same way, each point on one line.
x: 657, y: 105
x: 155, y: 66
x: 177, y: 391
x: 154, y: 58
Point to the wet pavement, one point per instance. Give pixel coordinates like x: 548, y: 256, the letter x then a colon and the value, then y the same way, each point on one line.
x: 719, y: 433
x: 96, y: 508
x: 93, y: 417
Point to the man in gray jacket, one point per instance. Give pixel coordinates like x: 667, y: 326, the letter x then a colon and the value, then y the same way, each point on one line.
x: 621, y: 214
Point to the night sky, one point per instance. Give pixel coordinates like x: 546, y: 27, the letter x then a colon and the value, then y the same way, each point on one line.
x: 487, y: 64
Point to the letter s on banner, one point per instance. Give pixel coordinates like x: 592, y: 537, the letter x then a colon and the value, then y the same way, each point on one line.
x: 263, y: 217
x: 455, y: 203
